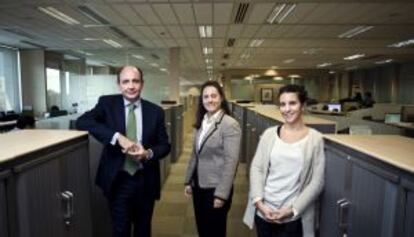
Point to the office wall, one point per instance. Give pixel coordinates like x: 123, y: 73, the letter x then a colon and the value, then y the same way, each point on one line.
x: 242, y: 90
x: 392, y: 83
x: 33, y: 80
x: 86, y: 89
x: 406, y: 84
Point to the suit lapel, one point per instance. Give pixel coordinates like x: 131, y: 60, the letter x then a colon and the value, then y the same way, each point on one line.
x: 210, y: 132
x: 145, y: 120
x: 119, y: 110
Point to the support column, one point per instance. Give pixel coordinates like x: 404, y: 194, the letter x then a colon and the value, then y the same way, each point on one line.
x: 174, y: 69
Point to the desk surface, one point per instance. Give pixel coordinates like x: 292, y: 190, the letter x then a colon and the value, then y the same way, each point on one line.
x: 22, y: 142
x: 403, y: 125
x: 392, y: 149
x: 325, y: 112
x: 271, y: 111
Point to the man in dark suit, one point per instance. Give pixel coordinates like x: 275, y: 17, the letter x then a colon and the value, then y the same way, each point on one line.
x: 134, y: 136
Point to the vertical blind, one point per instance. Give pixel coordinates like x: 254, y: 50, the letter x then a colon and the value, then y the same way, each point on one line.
x: 9, y: 80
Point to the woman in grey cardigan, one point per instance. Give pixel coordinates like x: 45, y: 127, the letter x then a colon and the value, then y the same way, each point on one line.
x: 213, y: 162
x: 287, y: 173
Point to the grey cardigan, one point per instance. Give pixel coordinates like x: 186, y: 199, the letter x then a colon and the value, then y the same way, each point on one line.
x: 311, y: 178
x: 216, y: 160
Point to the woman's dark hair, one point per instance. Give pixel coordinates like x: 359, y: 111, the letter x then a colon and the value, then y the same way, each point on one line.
x: 299, y: 90
x: 201, y: 111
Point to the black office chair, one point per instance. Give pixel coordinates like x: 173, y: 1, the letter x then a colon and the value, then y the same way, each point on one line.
x: 72, y: 124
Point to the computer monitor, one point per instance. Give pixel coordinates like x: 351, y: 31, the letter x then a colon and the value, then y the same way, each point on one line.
x: 407, y: 114
x: 334, y: 107
x: 392, y: 118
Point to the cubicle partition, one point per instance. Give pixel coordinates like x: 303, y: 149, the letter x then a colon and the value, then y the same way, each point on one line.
x: 176, y: 137
x: 3, y: 203
x: 44, y: 195
x: 369, y: 186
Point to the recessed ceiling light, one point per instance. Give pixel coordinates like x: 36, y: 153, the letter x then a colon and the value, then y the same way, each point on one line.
x: 355, y: 56
x: 355, y: 31
x: 402, y: 43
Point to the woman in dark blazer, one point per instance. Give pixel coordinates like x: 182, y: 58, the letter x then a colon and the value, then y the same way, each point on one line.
x: 213, y: 161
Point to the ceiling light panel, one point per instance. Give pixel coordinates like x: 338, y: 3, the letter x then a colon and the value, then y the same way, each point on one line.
x: 280, y: 12
x: 256, y: 42
x: 402, y: 44
x: 184, y: 13
x: 259, y: 12
x: 55, y: 13
x: 355, y: 31
x: 205, y: 31
x: 112, y: 43
x: 355, y: 56
x: 222, y: 13
x: 203, y: 13
x: 146, y: 12
x: 165, y: 13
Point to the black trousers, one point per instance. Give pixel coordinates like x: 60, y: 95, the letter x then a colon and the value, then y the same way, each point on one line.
x: 267, y: 229
x: 211, y: 222
x: 130, y: 204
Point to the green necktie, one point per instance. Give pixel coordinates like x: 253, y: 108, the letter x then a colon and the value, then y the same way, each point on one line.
x: 130, y: 165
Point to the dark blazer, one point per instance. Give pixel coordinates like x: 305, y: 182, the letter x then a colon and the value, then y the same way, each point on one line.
x: 108, y: 117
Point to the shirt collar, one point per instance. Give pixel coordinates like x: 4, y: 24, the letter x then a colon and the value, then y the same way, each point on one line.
x: 214, y: 117
x: 136, y: 103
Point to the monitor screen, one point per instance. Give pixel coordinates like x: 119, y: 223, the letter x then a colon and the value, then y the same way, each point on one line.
x: 392, y: 118
x: 334, y: 107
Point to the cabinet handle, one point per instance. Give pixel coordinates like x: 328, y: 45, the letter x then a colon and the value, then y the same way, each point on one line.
x: 343, y: 212
x: 67, y: 198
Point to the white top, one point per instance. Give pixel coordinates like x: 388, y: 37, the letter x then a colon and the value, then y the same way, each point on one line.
x: 206, y: 125
x: 283, y: 182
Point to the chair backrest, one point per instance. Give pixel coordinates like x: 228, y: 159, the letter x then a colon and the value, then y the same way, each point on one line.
x: 360, y: 130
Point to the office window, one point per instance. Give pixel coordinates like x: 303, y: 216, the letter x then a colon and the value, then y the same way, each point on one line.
x: 53, y: 87
x: 9, y: 80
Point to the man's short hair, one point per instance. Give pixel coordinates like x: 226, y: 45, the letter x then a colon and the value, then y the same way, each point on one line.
x: 118, y: 74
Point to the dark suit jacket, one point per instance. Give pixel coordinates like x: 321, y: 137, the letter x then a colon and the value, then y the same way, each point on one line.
x: 108, y: 117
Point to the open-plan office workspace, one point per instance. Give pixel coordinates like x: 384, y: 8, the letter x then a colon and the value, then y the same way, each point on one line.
x: 354, y: 58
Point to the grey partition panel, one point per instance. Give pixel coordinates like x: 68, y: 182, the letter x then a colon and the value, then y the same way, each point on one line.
x: 49, y: 193
x: 168, y: 126
x: 362, y: 195
x: 75, y: 172
x: 177, y: 132
x: 101, y: 218
x: 374, y: 197
x: 336, y: 173
x: 324, y: 128
x: 39, y: 205
x: 409, y: 214
x: 3, y: 205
